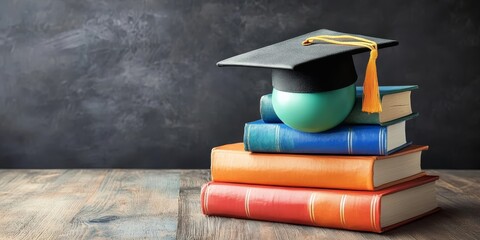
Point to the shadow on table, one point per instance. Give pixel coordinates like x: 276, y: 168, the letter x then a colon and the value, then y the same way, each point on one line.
x: 443, y: 224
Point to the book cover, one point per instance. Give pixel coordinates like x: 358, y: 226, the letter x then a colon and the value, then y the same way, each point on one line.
x: 230, y: 163
x: 345, y: 139
x: 343, y: 209
x: 356, y: 116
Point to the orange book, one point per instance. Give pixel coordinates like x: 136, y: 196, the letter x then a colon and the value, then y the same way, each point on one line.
x: 231, y: 163
x: 372, y: 211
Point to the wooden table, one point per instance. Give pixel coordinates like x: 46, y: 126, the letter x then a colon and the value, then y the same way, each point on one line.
x: 131, y: 204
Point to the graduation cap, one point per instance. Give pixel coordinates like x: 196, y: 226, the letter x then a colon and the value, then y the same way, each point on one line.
x: 313, y: 76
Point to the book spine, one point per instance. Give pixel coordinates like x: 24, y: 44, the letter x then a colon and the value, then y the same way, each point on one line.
x: 267, y: 113
x: 294, y: 170
x: 323, y: 208
x: 356, y: 116
x: 352, y: 140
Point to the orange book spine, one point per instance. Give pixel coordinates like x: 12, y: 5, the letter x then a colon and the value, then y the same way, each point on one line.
x: 352, y: 210
x: 230, y: 163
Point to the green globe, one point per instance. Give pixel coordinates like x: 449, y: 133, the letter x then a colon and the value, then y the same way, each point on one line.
x: 314, y: 112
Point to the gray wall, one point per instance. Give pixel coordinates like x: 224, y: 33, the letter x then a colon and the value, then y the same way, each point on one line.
x: 99, y: 83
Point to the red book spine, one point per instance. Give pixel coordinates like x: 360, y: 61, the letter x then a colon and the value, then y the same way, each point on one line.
x: 344, y: 209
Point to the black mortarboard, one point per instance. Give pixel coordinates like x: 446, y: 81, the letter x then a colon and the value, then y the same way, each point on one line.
x: 319, y: 67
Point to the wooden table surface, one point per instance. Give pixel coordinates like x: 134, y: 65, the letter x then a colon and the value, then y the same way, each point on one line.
x: 165, y: 204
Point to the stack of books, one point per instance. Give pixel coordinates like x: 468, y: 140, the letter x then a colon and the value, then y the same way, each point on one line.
x: 362, y: 175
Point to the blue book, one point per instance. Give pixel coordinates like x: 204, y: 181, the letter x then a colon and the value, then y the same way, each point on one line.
x: 345, y: 139
x: 395, y: 101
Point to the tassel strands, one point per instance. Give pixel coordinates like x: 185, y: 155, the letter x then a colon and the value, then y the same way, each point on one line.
x: 371, y: 95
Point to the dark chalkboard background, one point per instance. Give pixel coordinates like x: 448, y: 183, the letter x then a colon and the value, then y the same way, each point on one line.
x: 99, y: 83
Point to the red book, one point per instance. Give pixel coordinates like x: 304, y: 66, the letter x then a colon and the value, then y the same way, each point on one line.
x: 372, y: 211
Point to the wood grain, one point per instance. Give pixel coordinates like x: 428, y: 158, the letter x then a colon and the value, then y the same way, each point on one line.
x: 165, y: 204
x: 88, y: 204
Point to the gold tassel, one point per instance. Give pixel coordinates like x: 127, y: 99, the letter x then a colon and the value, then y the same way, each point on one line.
x: 371, y: 94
